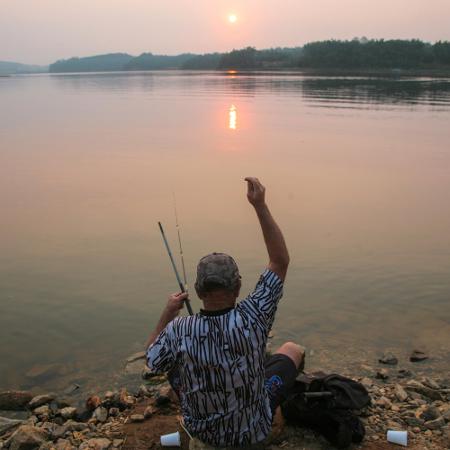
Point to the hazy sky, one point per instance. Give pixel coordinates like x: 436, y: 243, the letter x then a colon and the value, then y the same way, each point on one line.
x: 41, y: 31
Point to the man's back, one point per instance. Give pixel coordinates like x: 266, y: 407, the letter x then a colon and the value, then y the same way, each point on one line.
x: 218, y: 357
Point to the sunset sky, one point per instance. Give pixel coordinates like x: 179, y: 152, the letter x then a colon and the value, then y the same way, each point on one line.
x: 42, y: 31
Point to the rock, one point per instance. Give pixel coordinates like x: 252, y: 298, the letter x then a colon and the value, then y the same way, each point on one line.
x: 367, y: 382
x: 413, y: 421
x: 143, y: 391
x: 388, y: 358
x: 148, y: 412
x: 27, y: 437
x: 8, y: 424
x: 415, y: 386
x: 430, y: 413
x: 83, y: 414
x: 72, y: 425
x: 117, y: 442
x: 96, y: 444
x: 137, y: 417
x: 435, y: 424
x: 404, y: 373
x: 43, y: 410
x: 430, y: 383
x: 14, y: 400
x: 146, y: 373
x: 113, y: 412
x: 393, y: 425
x: 40, y: 400
x: 64, y: 444
x: 125, y: 399
x: 382, y: 374
x: 384, y: 402
x: 69, y: 412
x: 93, y: 402
x: 136, y: 356
x: 446, y: 414
x: 400, y: 393
x: 101, y: 414
x: 56, y: 431
x: 446, y: 436
x: 418, y: 355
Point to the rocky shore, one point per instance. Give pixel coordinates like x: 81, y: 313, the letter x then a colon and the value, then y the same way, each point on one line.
x: 401, y: 399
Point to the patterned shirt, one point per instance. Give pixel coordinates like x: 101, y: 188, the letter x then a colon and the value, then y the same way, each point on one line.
x: 220, y: 360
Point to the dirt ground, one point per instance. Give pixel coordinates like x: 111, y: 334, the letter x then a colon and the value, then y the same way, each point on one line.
x: 146, y: 435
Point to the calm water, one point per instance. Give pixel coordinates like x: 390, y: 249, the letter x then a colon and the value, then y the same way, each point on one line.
x: 357, y: 172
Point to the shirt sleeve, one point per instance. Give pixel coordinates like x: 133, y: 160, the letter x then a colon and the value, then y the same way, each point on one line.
x: 160, y: 356
x: 263, y: 301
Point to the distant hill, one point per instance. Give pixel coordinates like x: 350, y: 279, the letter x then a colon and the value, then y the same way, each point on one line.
x: 11, y: 68
x: 98, y: 63
x: 149, y: 61
x: 355, y: 54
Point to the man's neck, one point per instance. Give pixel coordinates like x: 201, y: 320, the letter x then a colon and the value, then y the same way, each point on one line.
x: 216, y: 301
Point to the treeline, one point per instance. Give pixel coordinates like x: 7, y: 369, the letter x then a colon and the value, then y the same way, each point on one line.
x: 99, y: 63
x: 364, y: 53
x: 354, y: 54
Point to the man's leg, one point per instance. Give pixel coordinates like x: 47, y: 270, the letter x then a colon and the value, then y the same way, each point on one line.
x: 295, y: 352
x: 282, y: 369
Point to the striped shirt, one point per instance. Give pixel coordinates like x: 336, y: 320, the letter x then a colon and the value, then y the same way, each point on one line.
x: 220, y: 360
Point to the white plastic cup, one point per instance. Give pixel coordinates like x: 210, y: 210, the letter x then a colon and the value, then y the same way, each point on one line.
x: 398, y: 437
x: 171, y: 440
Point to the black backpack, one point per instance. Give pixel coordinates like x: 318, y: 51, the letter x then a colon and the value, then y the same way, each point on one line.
x: 326, y: 404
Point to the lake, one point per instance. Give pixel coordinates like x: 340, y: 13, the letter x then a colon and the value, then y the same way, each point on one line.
x: 357, y: 172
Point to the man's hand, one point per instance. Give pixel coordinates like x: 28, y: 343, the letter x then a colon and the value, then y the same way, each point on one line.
x: 175, y: 303
x: 255, y: 191
x: 276, y: 247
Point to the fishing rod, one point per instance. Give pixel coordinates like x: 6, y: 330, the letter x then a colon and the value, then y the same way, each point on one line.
x: 180, y: 283
x: 179, y: 242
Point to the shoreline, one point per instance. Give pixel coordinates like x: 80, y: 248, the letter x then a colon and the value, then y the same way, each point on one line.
x: 305, y: 71
x: 118, y: 419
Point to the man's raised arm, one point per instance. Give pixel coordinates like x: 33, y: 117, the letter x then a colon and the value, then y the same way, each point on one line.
x: 276, y: 246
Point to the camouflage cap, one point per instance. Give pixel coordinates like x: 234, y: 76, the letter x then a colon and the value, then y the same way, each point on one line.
x: 217, y: 268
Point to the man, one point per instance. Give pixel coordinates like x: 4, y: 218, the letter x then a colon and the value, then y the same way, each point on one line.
x: 216, y: 359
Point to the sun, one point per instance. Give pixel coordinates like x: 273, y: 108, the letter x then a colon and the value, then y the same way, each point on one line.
x: 232, y: 18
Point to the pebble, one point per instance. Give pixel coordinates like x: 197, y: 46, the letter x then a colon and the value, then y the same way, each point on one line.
x: 40, y: 400
x: 382, y: 374
x: 366, y: 382
x: 418, y: 355
x: 388, y: 358
x: 430, y: 413
x: 96, y: 443
x: 435, y: 424
x: 43, y: 410
x: 137, y: 418
x: 114, y: 412
x: 101, y: 414
x: 14, y: 400
x: 149, y: 411
x: 93, y: 402
x: 384, y: 402
x: 400, y: 393
x: 69, y: 412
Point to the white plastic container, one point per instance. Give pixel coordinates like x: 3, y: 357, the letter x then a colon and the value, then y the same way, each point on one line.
x: 398, y: 437
x: 171, y: 440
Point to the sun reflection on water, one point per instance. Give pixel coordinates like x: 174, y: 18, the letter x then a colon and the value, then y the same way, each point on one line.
x: 232, y: 118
